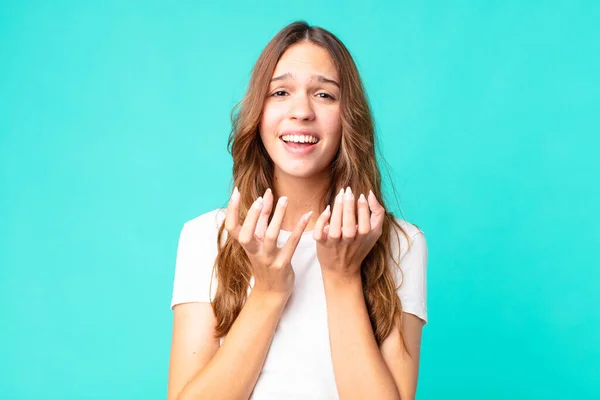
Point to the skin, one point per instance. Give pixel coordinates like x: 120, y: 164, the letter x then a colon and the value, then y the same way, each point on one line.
x: 199, y: 368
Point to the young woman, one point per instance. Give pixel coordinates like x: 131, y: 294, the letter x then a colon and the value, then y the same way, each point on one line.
x: 305, y: 287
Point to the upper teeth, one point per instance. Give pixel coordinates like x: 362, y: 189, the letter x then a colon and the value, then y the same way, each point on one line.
x: 300, y: 138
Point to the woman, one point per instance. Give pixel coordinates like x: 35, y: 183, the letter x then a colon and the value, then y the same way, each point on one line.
x: 303, y: 300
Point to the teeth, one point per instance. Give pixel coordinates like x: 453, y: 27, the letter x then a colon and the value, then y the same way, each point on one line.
x: 300, y: 138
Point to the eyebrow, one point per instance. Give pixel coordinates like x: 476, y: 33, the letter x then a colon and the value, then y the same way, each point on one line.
x: 318, y: 77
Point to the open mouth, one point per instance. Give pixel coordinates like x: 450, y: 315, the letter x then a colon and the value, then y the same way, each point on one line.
x: 299, y: 144
x: 300, y: 139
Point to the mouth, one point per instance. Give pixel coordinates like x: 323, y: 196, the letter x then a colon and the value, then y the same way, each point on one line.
x: 299, y: 144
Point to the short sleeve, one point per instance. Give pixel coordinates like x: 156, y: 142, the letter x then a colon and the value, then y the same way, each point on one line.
x: 196, y: 253
x: 413, y: 276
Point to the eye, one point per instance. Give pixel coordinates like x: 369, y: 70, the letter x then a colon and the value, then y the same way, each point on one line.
x: 325, y: 96
x: 279, y: 93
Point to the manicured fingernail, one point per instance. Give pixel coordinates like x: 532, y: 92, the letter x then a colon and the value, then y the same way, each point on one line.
x: 341, y: 191
x: 268, y: 190
x: 282, y: 200
x: 327, y: 210
x: 306, y: 216
x: 235, y: 193
x: 348, y: 192
x: 339, y: 197
x: 362, y: 199
x: 258, y: 203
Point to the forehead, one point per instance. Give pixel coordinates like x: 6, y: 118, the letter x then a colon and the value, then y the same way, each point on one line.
x: 306, y: 58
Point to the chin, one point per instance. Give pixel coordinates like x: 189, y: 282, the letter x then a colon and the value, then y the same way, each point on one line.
x: 299, y: 171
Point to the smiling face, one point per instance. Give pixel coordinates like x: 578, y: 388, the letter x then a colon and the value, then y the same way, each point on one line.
x: 301, y: 126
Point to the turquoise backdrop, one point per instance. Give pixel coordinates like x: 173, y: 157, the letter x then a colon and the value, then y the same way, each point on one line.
x: 114, y: 118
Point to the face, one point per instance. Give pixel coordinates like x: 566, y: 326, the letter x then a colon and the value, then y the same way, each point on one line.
x: 301, y: 125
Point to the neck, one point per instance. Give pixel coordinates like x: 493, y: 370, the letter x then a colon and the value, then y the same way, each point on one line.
x: 304, y: 195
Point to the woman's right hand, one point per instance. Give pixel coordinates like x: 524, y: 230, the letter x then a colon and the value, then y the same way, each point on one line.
x: 271, y: 266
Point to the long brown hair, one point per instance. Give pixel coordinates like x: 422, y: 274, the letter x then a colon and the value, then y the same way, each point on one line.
x: 354, y: 165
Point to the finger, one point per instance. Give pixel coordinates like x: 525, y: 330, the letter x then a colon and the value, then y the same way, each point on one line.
x: 377, y: 214
x: 335, y: 225
x: 318, y: 233
x: 246, y: 236
x: 364, y: 223
x: 233, y: 211
x: 263, y: 219
x: 288, y: 249
x: 348, y: 217
x: 270, y: 240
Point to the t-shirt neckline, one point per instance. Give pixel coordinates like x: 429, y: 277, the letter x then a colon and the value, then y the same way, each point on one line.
x: 287, y: 234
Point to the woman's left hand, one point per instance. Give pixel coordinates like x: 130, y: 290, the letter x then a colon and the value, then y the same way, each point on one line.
x: 344, y: 243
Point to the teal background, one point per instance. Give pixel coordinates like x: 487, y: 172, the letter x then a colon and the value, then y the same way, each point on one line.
x: 114, y: 118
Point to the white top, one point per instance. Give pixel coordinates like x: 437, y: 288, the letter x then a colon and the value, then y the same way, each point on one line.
x: 298, y: 364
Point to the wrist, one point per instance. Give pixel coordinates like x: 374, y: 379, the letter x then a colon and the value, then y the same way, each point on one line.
x: 337, y: 279
x: 270, y: 297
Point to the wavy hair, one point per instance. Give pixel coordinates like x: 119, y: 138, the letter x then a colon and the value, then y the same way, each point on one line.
x: 354, y: 165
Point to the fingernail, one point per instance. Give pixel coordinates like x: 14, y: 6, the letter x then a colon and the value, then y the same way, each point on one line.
x: 268, y: 190
x: 258, y: 203
x: 235, y: 193
x: 374, y: 197
x: 348, y: 192
x: 326, y: 212
x: 307, y: 215
x: 282, y: 200
x: 341, y: 191
x: 362, y: 199
x: 339, y: 197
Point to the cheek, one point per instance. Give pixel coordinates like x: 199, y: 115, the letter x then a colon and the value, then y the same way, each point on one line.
x: 268, y: 128
x: 334, y: 131
x: 271, y: 116
x: 265, y: 126
x: 333, y: 123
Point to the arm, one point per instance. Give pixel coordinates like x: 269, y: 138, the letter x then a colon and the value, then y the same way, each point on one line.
x: 359, y: 367
x: 229, y: 371
x: 192, y: 344
x: 404, y: 362
x: 404, y: 367
x: 362, y: 370
x: 200, y: 369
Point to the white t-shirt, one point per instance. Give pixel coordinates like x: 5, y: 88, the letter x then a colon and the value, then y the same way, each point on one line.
x: 298, y: 364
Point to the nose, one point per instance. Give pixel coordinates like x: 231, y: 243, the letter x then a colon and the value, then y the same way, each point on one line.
x: 301, y: 108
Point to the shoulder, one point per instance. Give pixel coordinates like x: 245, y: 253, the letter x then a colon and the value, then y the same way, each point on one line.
x: 408, y: 227
x: 209, y: 221
x: 411, y: 276
x: 409, y: 235
x: 196, y: 254
x: 201, y: 232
